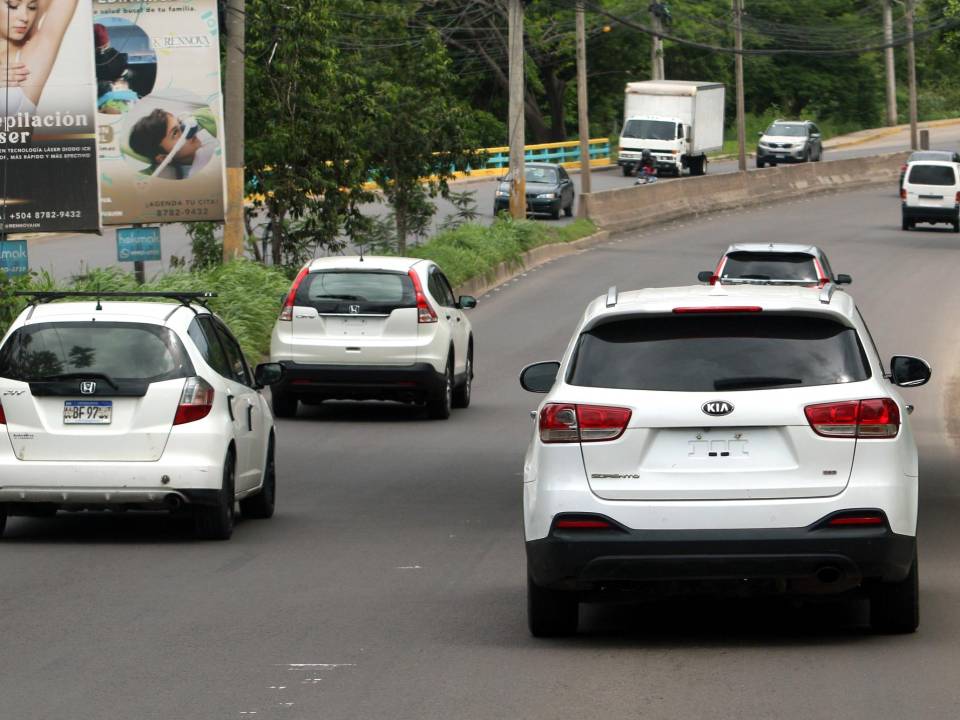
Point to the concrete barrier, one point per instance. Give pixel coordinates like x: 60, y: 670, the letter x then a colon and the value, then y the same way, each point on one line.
x: 635, y: 207
x: 507, y: 270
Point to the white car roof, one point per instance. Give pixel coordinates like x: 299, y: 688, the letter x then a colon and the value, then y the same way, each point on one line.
x: 948, y: 163
x: 367, y: 262
x: 774, y: 248
x: 768, y: 297
x: 151, y: 312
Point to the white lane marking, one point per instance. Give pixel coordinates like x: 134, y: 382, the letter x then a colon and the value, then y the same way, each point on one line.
x: 409, y: 567
x: 278, y: 687
x: 320, y: 665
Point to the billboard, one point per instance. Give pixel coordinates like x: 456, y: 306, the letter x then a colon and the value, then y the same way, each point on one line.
x: 48, y: 143
x: 159, y: 111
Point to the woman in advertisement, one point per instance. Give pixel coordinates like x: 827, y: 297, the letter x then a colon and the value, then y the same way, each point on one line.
x: 31, y: 32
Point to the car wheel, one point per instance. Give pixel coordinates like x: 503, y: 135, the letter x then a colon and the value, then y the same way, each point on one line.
x: 906, y: 224
x: 440, y: 402
x: 760, y: 164
x: 283, y: 403
x: 555, y: 214
x: 551, y: 613
x: 568, y: 210
x: 261, y: 505
x: 625, y: 169
x: 956, y: 226
x: 3, y: 519
x: 215, y: 522
x: 461, y: 395
x: 895, y: 607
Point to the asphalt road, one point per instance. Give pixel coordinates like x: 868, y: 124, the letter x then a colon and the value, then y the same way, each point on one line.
x: 67, y: 255
x: 391, y: 582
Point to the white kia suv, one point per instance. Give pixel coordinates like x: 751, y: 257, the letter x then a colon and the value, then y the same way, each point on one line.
x: 742, y: 439
x: 373, y: 328
x: 133, y: 405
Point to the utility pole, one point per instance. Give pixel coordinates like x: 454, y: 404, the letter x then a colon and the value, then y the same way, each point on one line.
x: 891, y: 68
x: 518, y: 186
x: 741, y: 110
x: 233, y: 232
x: 912, y: 75
x: 656, y: 41
x: 583, y: 120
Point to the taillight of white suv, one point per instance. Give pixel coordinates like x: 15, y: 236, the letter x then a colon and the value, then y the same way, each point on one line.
x: 196, y: 401
x: 569, y: 423
x: 864, y: 419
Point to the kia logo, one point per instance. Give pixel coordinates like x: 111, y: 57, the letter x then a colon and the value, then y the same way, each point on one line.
x: 717, y: 408
x: 354, y: 309
x: 88, y: 387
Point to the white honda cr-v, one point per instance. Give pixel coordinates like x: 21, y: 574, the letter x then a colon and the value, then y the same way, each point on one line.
x: 728, y: 439
x: 373, y: 328
x: 133, y: 405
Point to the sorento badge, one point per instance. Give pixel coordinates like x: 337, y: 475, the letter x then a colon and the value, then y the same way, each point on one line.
x: 717, y: 408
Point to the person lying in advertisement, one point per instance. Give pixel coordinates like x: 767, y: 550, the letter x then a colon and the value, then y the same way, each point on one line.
x: 174, y: 147
x: 31, y: 32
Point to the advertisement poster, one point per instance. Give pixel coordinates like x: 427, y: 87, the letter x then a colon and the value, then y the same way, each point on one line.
x: 48, y: 142
x: 159, y: 110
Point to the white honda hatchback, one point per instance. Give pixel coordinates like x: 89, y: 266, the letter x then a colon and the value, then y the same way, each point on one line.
x: 721, y: 439
x: 373, y: 328
x: 133, y: 405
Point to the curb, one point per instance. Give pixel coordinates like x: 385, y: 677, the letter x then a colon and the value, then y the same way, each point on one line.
x: 508, y: 270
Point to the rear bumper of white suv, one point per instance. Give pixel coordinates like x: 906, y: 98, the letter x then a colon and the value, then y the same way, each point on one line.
x: 359, y: 382
x: 817, y: 559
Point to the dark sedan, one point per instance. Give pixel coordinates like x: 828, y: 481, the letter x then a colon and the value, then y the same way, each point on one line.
x: 549, y: 191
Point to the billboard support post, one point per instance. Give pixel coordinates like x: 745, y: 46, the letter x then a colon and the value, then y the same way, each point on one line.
x: 234, y: 106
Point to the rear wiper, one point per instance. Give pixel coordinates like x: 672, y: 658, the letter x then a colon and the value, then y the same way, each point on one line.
x: 77, y: 376
x: 757, y: 381
x: 339, y: 297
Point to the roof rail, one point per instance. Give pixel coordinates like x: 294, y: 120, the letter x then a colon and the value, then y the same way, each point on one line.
x: 39, y: 297
x: 826, y: 292
x: 612, y: 296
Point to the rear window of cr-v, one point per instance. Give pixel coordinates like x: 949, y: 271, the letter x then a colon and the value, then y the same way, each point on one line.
x: 114, y: 350
x: 334, y: 291
x: 708, y: 353
x: 797, y: 267
x: 932, y: 175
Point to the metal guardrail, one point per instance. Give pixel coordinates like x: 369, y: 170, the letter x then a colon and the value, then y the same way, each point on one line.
x: 564, y: 153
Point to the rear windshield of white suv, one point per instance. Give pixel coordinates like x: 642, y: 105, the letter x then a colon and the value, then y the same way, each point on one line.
x: 116, y: 351
x: 351, y: 291
x: 932, y: 175
x: 708, y: 353
x: 795, y: 267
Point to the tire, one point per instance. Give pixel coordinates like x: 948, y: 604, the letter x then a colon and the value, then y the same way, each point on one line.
x: 551, y: 613
x: 441, y: 400
x: 625, y: 169
x: 568, y: 210
x: 956, y: 226
x: 906, y: 224
x: 895, y: 607
x: 760, y: 164
x: 555, y: 214
x: 215, y: 522
x: 3, y: 519
x: 283, y: 403
x: 461, y: 394
x: 261, y: 505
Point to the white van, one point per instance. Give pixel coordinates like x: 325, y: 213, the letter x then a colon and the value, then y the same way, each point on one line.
x: 931, y: 194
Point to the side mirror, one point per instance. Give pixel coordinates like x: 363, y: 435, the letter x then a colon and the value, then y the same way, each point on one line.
x: 705, y: 276
x: 907, y: 371
x: 843, y: 279
x: 467, y: 302
x: 268, y: 374
x: 539, y: 377
x: 760, y: 134
x: 815, y: 136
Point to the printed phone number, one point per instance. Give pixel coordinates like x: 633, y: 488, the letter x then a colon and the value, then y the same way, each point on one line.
x: 184, y: 212
x: 45, y: 215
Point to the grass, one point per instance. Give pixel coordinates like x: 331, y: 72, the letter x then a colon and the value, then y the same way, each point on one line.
x: 248, y: 293
x: 472, y: 250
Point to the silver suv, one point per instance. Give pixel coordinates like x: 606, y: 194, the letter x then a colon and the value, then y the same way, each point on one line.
x: 788, y: 141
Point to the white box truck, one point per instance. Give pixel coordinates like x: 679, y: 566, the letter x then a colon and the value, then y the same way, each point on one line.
x: 677, y: 121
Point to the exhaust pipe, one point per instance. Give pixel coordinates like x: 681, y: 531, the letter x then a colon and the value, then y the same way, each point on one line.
x: 828, y: 574
x: 173, y: 502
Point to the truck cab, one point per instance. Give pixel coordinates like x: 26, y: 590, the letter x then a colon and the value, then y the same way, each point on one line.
x: 664, y: 137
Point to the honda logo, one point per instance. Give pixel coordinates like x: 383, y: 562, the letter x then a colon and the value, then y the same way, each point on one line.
x: 88, y: 387
x: 354, y: 309
x: 717, y: 408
